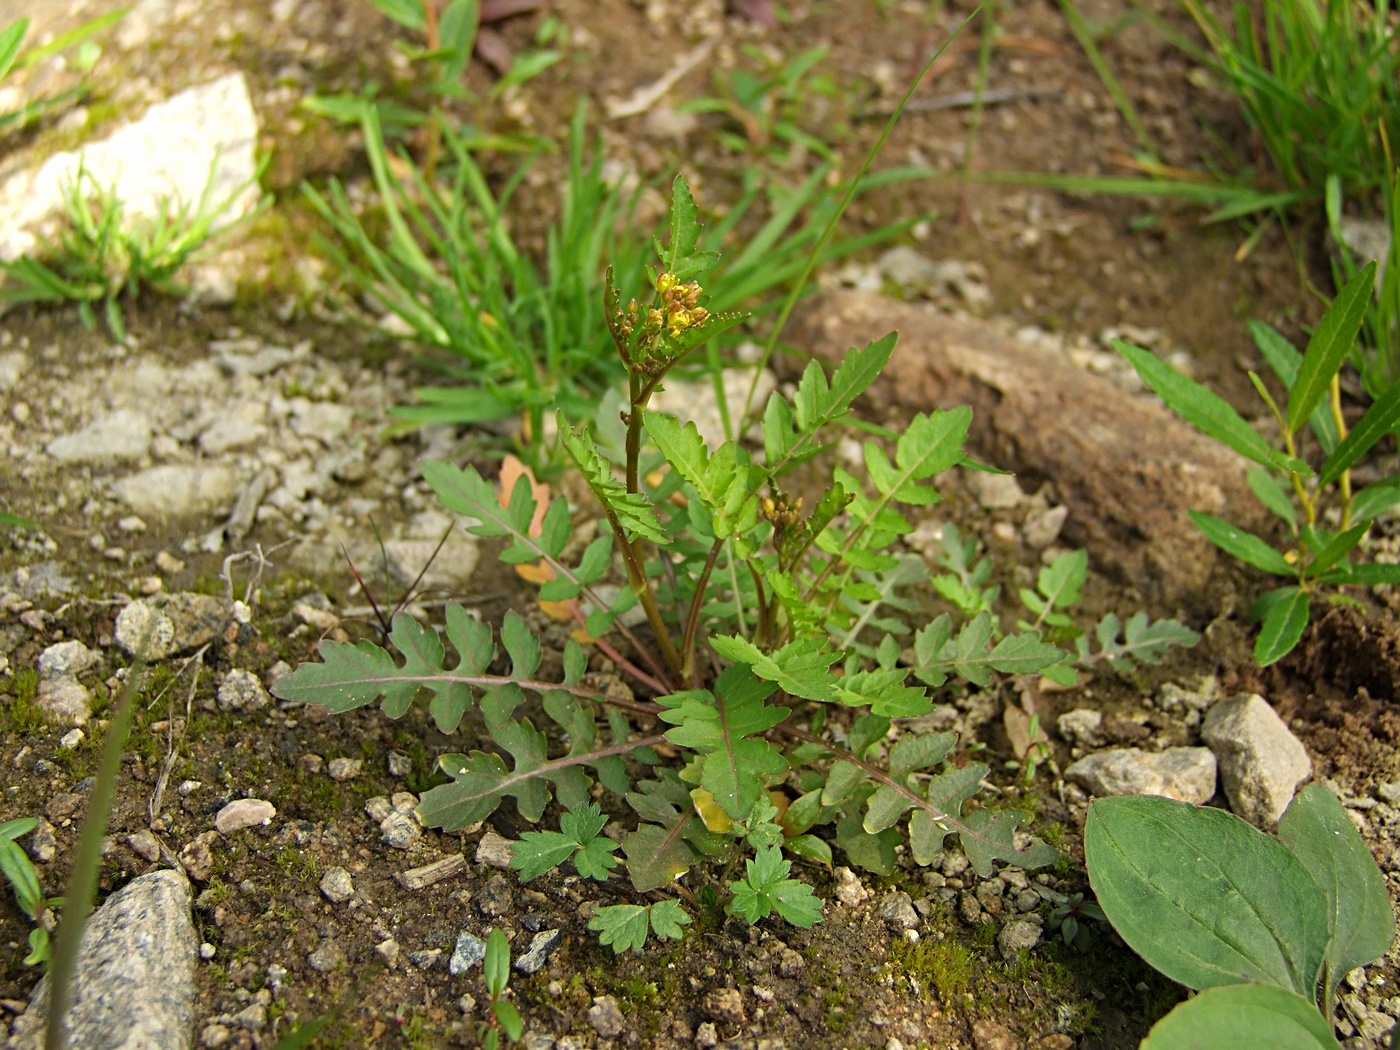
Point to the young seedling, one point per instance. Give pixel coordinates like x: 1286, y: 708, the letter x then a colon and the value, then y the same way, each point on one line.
x: 29, y: 894
x: 1326, y: 520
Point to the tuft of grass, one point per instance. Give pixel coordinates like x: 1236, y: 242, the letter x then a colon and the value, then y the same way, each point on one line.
x: 527, y: 339
x: 102, y: 258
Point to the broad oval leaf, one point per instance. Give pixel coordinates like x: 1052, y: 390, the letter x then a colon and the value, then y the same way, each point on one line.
x: 1203, y: 896
x: 1316, y: 828
x: 1243, y: 1017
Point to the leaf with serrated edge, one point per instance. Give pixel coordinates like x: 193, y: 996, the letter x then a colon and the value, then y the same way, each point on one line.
x: 668, y: 918
x: 798, y: 668
x: 621, y: 926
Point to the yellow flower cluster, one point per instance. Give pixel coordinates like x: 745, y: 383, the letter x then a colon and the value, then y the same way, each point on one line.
x: 680, y: 306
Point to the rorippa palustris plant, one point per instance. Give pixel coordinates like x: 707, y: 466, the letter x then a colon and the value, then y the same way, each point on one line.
x: 785, y: 737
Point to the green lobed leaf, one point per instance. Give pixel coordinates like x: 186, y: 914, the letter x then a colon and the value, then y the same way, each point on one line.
x: 621, y: 926
x: 537, y: 852
x: 798, y: 668
x: 668, y: 918
x: 680, y: 255
x: 632, y: 510
x: 720, y: 726
x: 1283, y: 626
x: 1204, y: 897
x: 722, y: 482
x: 1061, y: 582
x: 1202, y: 408
x: 1328, y: 348
x: 1323, y: 838
x: 1243, y: 1017
x: 1239, y: 543
x: 766, y: 888
x: 989, y: 835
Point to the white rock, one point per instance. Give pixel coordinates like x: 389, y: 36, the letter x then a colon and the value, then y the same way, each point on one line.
x: 241, y: 690
x: 337, y: 886
x: 1261, y: 762
x: 179, y: 491
x: 64, y: 700
x: 244, y: 813
x: 66, y: 658
x: 1081, y: 726
x: 994, y: 491
x: 162, y: 160
x: 123, y: 434
x: 1183, y: 773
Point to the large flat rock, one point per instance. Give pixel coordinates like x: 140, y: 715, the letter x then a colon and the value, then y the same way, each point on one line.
x: 1127, y: 468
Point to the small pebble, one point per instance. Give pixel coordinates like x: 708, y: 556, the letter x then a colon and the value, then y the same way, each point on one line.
x: 493, y: 850
x: 469, y: 951
x: 343, y: 769
x: 244, y: 813
x: 337, y: 886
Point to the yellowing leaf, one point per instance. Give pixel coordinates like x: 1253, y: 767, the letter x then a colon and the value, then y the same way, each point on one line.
x: 535, y: 572
x: 512, y: 470
x: 710, y: 811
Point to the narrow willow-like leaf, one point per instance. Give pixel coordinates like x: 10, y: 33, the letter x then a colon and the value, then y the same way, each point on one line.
x: 1241, y: 544
x: 1205, y: 410
x: 1283, y: 626
x: 1375, y: 499
x: 1328, y: 348
x: 1270, y: 492
x: 1284, y: 359
x: 1380, y: 419
x: 1337, y: 548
